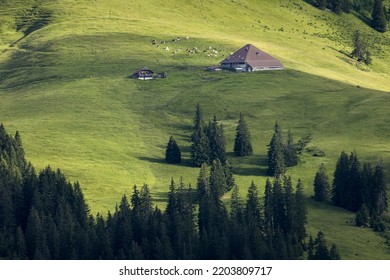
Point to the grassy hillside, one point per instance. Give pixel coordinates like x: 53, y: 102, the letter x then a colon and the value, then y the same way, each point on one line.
x: 65, y: 87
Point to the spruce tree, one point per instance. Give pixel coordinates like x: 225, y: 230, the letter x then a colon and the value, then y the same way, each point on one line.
x: 379, y: 22
x: 379, y: 194
x: 290, y: 151
x: 321, y: 4
x: 172, y: 153
x: 345, y: 6
x: 202, y: 186
x: 276, y: 164
x: 340, y: 181
x: 252, y: 209
x: 268, y: 209
x: 200, y: 143
x: 242, y: 142
x: 334, y: 253
x: 360, y: 51
x: 321, y: 185
x: 217, y: 180
x: 300, y: 213
x: 362, y: 217
x: 354, y: 190
x: 217, y: 142
x: 335, y: 6
x: 236, y: 213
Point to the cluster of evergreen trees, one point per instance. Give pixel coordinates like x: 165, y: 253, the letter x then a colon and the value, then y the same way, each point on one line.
x: 357, y: 188
x: 379, y: 13
x: 282, y: 154
x: 318, y: 250
x: 268, y: 228
x: 208, y: 141
x: 336, y: 6
x: 42, y: 216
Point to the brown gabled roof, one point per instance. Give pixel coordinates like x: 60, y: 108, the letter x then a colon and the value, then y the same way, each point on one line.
x: 253, y: 56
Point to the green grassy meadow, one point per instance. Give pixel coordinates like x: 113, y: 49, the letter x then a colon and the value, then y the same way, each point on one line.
x: 66, y: 89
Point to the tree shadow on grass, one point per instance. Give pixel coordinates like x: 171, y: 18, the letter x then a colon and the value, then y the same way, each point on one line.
x: 250, y: 171
x: 153, y: 160
x: 250, y: 166
x: 160, y: 196
x: 184, y: 162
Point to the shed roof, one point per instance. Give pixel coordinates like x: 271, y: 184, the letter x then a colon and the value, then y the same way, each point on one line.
x: 253, y: 56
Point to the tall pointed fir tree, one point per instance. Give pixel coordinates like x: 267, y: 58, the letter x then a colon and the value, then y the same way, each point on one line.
x: 354, y: 187
x: 379, y: 194
x: 200, y: 149
x: 379, y: 22
x: 254, y: 223
x: 268, y: 210
x: 290, y: 151
x: 217, y: 142
x: 242, y: 142
x: 172, y: 152
x: 276, y: 164
x: 335, y: 6
x: 360, y: 51
x: 300, y: 212
x: 217, y: 180
x: 321, y: 4
x: 340, y: 181
x: 321, y: 185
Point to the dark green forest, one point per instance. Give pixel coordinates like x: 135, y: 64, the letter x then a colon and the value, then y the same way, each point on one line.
x: 43, y: 216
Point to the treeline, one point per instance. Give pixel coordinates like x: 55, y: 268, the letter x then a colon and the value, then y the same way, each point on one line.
x: 209, y: 145
x: 380, y: 14
x: 42, y: 216
x: 357, y: 187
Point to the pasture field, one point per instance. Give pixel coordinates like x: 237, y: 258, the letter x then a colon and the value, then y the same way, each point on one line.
x: 66, y: 88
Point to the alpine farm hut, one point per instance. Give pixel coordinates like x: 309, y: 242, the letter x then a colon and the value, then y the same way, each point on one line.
x: 249, y: 59
x: 143, y: 74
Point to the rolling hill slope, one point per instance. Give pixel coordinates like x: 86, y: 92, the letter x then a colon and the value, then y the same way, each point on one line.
x: 65, y: 87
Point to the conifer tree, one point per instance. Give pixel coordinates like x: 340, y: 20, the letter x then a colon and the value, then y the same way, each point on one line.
x: 268, y: 208
x: 217, y: 180
x: 345, y: 6
x: 278, y: 206
x: 341, y: 180
x: 202, y: 186
x: 228, y: 170
x: 172, y: 153
x: 252, y: 208
x: 276, y: 164
x: 300, y: 213
x: 379, y: 194
x: 217, y: 143
x: 379, y: 22
x: 354, y: 190
x: 200, y: 149
x: 320, y: 248
x: 242, y: 142
x: 360, y: 51
x: 321, y: 4
x: 335, y: 6
x: 334, y: 253
x: 321, y: 185
x: 290, y: 152
x: 362, y: 217
x: 236, y: 213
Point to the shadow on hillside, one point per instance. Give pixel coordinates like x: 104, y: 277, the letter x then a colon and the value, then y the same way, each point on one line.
x: 250, y: 171
x: 160, y: 196
x: 184, y: 162
x: 250, y: 166
x: 152, y: 160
